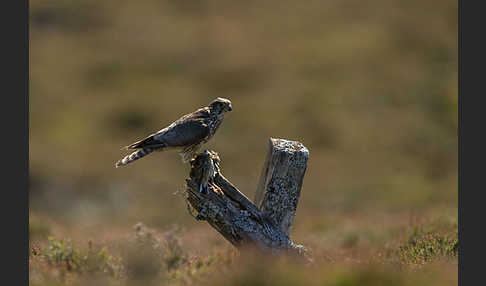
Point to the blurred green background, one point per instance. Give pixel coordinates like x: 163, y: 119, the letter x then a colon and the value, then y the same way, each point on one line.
x: 370, y: 87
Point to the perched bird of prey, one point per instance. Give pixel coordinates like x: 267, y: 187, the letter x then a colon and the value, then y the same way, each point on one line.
x: 204, y: 168
x: 187, y: 134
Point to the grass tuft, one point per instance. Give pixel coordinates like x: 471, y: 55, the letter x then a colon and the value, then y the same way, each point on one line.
x: 427, y: 247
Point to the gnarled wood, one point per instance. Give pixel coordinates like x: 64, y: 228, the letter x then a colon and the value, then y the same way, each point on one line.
x: 233, y: 215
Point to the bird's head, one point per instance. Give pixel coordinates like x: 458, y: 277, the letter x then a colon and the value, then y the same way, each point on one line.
x: 220, y: 105
x: 203, y: 162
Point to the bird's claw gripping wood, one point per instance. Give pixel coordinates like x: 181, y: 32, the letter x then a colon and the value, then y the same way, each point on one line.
x: 233, y: 215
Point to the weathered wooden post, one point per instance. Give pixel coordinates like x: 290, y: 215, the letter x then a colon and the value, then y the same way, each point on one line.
x: 281, y: 180
x: 265, y: 224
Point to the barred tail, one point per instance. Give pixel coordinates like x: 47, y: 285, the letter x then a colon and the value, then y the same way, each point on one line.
x: 134, y: 156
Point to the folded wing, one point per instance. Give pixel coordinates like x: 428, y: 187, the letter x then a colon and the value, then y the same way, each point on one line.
x: 185, y: 133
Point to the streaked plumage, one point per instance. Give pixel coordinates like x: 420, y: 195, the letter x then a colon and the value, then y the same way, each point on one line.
x: 204, y: 168
x: 187, y: 134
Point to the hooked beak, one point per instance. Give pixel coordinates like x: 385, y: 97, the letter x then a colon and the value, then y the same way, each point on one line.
x: 230, y: 108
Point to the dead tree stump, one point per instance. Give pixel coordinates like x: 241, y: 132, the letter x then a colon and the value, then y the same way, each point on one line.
x: 265, y: 224
x: 281, y: 180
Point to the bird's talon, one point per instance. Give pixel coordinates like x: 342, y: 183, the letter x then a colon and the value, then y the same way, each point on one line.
x: 203, y: 189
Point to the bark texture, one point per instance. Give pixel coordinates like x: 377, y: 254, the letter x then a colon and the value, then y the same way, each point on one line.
x: 234, y: 216
x: 281, y: 180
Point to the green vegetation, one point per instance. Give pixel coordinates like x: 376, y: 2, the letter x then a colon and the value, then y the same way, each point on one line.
x: 369, y: 87
x: 157, y: 258
x: 428, y: 247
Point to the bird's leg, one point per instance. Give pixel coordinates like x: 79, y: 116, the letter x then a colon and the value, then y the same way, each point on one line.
x: 203, y: 188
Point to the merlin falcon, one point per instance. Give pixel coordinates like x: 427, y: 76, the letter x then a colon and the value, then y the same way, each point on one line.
x: 187, y: 134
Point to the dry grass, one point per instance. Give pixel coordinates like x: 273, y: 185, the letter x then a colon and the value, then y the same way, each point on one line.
x: 153, y: 258
x: 370, y: 88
